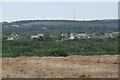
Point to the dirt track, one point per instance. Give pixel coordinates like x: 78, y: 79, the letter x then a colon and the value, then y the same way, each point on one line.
x: 61, y: 67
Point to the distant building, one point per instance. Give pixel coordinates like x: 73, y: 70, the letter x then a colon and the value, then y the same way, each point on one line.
x: 10, y: 39
x: 71, y: 36
x: 80, y: 35
x: 37, y: 36
x: 77, y: 36
x: 115, y: 33
x: 92, y: 35
x: 44, y: 28
x: 13, y: 36
x: 107, y: 35
x: 64, y: 35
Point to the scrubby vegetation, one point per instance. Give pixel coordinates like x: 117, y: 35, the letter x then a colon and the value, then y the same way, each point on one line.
x: 42, y: 47
x: 51, y: 46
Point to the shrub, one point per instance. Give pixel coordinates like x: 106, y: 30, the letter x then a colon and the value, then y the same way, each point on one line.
x: 58, y: 53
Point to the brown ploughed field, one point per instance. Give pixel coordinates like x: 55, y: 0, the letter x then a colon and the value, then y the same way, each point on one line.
x: 105, y: 66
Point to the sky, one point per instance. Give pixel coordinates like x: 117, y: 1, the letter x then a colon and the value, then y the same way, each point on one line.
x: 59, y: 0
x: 13, y: 11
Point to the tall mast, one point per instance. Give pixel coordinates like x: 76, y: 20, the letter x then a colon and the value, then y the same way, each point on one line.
x: 43, y: 24
x: 74, y: 15
x: 43, y: 21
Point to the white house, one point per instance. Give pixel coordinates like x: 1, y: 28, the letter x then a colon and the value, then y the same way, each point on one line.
x: 13, y: 36
x: 37, y: 36
x: 71, y: 36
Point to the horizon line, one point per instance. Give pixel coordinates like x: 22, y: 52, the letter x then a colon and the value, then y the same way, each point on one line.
x: 58, y: 20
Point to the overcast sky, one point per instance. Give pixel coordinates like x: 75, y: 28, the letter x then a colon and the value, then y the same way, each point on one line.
x: 12, y: 11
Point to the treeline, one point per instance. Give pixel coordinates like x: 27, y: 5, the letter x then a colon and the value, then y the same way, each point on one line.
x: 36, y: 26
x: 51, y: 47
x: 69, y: 21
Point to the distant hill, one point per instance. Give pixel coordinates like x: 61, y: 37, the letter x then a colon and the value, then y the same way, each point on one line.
x: 50, y: 26
x: 61, y: 21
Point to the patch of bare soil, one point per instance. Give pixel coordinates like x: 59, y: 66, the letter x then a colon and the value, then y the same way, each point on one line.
x: 61, y: 67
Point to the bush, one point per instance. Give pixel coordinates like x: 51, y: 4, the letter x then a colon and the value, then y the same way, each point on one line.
x: 58, y: 53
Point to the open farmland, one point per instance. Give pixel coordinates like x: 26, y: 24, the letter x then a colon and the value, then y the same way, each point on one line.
x: 53, y: 55
x: 104, y: 66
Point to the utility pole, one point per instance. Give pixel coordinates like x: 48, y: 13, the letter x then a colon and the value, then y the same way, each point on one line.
x: 74, y: 15
x: 43, y: 24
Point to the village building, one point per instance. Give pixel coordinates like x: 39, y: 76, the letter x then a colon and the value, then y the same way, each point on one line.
x: 77, y: 36
x: 37, y: 36
x: 13, y: 36
x: 80, y: 35
x: 10, y: 38
x: 71, y: 36
x: 115, y: 33
x: 93, y: 35
x: 65, y: 35
x: 108, y: 35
